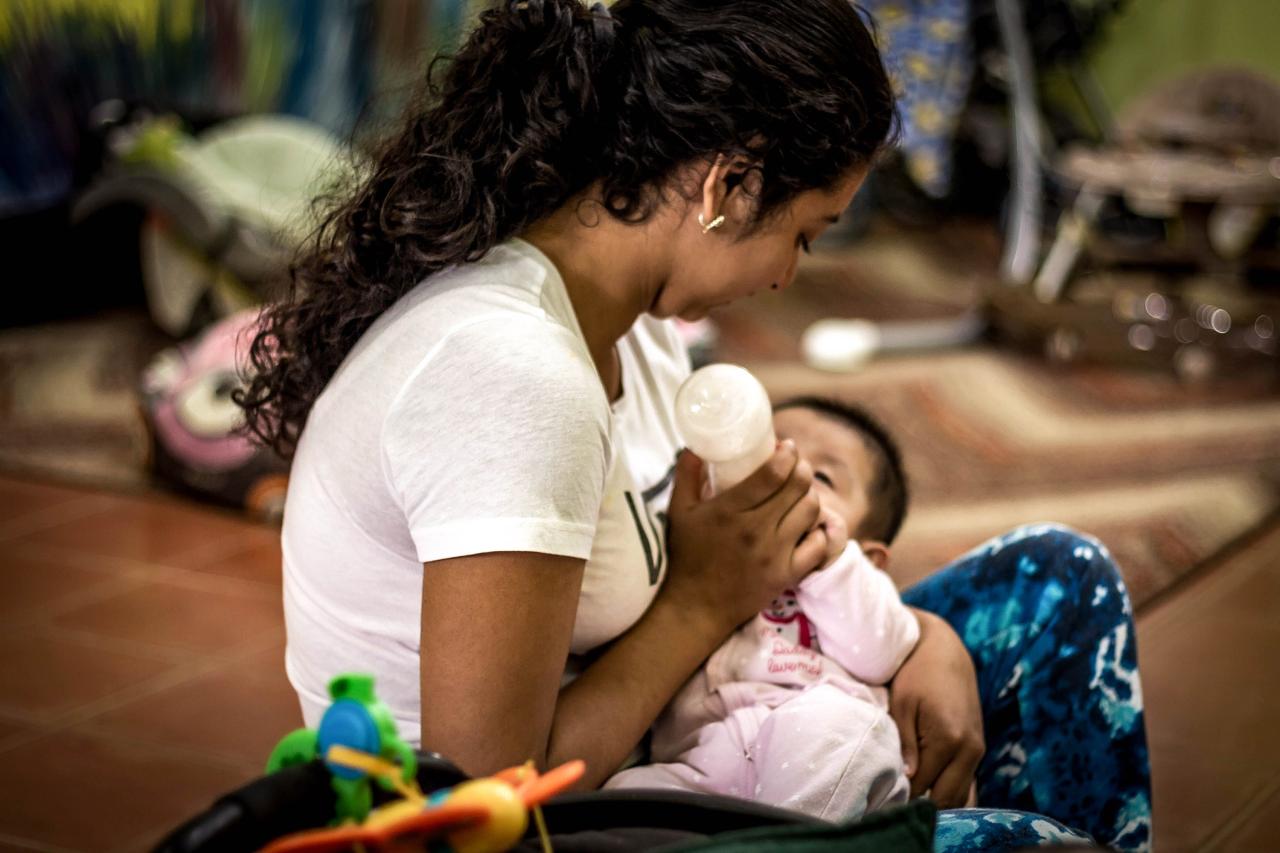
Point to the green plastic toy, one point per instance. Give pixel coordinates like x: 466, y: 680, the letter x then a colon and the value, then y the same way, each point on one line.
x: 357, y: 719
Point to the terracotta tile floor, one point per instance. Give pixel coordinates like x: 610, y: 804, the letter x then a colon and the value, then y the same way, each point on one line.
x: 140, y: 675
x: 1208, y: 658
x: 141, y: 664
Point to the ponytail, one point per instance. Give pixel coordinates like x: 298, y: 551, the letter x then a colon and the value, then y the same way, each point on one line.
x: 546, y: 99
x: 508, y: 137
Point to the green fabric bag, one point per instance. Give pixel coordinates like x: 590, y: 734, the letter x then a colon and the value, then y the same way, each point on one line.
x: 907, y: 829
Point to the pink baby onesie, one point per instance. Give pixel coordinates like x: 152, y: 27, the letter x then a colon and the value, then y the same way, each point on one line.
x: 791, y: 711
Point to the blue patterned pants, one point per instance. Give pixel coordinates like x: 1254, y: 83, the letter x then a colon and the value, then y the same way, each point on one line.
x: 1046, y: 617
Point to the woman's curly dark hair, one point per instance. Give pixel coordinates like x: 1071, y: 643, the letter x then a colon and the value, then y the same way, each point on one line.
x: 546, y: 99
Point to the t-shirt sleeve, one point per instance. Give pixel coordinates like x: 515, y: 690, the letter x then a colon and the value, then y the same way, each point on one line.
x: 500, y: 442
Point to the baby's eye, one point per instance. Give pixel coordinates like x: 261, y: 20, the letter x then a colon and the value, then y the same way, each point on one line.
x: 822, y: 475
x: 804, y: 243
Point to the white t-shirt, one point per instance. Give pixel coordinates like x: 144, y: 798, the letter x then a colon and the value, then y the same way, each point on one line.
x: 470, y: 419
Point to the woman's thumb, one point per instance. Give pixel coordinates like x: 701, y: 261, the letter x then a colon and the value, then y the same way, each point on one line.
x: 687, y: 489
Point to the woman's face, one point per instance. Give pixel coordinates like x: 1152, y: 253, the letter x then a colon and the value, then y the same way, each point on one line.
x: 720, y: 267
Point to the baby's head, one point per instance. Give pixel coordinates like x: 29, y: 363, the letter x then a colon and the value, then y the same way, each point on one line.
x: 857, y: 468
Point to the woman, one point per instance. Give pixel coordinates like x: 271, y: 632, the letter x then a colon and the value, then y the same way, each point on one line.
x: 487, y: 483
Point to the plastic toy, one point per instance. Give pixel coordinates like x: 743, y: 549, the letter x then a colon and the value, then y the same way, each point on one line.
x: 481, y: 816
x: 194, y: 424
x: 225, y: 209
x: 358, y: 721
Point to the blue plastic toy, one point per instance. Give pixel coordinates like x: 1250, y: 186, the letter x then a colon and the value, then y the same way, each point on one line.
x: 359, y: 721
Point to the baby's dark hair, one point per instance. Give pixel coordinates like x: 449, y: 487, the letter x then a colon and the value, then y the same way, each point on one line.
x: 887, y: 495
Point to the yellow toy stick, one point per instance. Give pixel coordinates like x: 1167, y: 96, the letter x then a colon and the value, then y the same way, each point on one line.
x: 374, y: 766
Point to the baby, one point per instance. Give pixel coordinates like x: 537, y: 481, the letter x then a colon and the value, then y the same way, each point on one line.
x: 791, y: 711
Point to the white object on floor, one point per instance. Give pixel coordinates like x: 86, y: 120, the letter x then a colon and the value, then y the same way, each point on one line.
x: 845, y: 345
x: 840, y: 345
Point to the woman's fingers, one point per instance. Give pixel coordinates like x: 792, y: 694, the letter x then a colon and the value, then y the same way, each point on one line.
x: 951, y: 789
x: 797, y: 490
x: 947, y: 764
x: 765, y: 482
x: 689, y: 479
x: 837, y: 532
x: 932, y: 760
x: 800, y: 518
x: 904, y: 714
x: 811, y: 554
x: 742, y: 547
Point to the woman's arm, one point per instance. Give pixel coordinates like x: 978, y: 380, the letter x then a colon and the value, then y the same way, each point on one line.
x: 496, y: 628
x: 605, y: 712
x: 934, y: 700
x: 495, y: 637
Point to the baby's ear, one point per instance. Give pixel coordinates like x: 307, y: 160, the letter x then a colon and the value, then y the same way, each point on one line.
x: 877, y: 553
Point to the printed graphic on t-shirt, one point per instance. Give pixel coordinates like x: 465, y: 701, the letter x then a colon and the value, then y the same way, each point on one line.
x: 650, y: 537
x: 651, y: 526
x: 766, y: 651
x: 789, y: 622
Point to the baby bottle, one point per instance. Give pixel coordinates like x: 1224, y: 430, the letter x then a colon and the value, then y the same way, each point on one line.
x: 723, y: 415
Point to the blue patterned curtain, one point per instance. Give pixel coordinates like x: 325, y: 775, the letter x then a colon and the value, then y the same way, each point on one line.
x: 929, y: 55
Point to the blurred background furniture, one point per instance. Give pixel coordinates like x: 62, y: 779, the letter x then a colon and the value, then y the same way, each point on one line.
x: 140, y: 650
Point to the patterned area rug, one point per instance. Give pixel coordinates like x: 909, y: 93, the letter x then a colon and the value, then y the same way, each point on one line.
x: 69, y: 404
x: 992, y: 440
x: 1166, y: 476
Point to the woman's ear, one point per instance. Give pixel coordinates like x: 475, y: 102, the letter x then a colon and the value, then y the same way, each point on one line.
x: 877, y: 553
x: 730, y: 189
x: 714, y: 189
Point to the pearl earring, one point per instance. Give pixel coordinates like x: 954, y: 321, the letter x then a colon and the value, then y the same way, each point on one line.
x: 707, y: 227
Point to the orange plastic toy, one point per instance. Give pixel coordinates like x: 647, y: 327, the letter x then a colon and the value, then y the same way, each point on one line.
x: 481, y: 816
